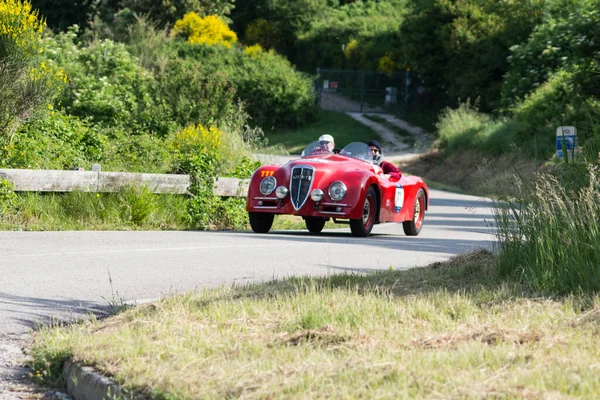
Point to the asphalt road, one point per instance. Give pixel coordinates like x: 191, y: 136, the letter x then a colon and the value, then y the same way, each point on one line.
x: 65, y: 275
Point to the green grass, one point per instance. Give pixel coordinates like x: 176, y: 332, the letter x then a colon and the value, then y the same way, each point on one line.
x: 342, y: 127
x: 451, y: 330
x: 132, y: 208
x: 550, y: 233
x: 424, y: 119
x: 407, y: 137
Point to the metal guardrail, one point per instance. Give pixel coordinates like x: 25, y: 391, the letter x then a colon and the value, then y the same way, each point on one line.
x: 27, y: 180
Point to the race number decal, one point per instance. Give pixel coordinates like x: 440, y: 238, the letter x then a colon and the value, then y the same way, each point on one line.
x: 264, y: 173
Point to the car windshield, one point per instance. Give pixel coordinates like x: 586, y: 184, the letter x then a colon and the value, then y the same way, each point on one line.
x: 316, y: 149
x: 358, y: 150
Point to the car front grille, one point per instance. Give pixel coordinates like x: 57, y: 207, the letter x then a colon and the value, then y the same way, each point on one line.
x: 300, y: 184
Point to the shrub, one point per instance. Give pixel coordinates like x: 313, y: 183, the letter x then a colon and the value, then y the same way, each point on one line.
x: 210, y: 30
x: 192, y: 141
x: 8, y: 198
x: 262, y: 33
x: 273, y: 92
x: 569, y: 39
x: 460, y: 47
x: 138, y: 203
x: 195, y: 93
x: 27, y: 81
x: 108, y: 86
x: 57, y: 141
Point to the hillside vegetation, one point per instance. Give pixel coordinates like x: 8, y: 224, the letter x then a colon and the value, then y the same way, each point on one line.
x: 192, y: 86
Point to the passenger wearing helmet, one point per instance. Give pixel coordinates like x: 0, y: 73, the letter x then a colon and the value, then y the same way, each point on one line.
x: 389, y: 169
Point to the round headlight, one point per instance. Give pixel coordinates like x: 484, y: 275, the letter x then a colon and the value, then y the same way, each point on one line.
x: 268, y: 185
x: 281, y: 192
x: 337, y: 191
x: 316, y: 195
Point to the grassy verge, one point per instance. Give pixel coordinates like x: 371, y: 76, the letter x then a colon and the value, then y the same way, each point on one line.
x: 451, y: 330
x: 407, y: 137
x: 343, y: 128
x: 132, y: 208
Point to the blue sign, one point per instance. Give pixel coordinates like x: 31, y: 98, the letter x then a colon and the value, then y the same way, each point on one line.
x: 566, y: 139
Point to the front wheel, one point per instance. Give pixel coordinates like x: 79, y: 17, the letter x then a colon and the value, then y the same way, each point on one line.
x: 261, y: 222
x: 315, y: 224
x: 361, y: 227
x: 413, y: 227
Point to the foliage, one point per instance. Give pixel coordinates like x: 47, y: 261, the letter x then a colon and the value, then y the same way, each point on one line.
x: 245, y: 168
x: 163, y: 12
x: 386, y: 65
x: 26, y: 80
x: 108, y: 86
x: 262, y: 33
x: 460, y: 47
x: 191, y: 142
x: 549, y: 234
x: 194, y: 93
x: 138, y: 204
x: 562, y: 42
x: 8, y: 198
x: 466, y: 127
x: 254, y: 51
x: 368, y: 29
x: 60, y: 14
x: 273, y: 92
x: 57, y: 141
x: 210, y: 30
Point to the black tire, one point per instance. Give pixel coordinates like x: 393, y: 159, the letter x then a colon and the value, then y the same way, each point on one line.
x: 261, y: 222
x: 413, y: 227
x: 315, y: 224
x: 361, y: 227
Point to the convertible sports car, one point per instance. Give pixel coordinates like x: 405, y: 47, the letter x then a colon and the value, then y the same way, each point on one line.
x: 344, y: 186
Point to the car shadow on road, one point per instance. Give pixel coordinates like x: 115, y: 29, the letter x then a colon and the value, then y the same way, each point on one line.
x: 380, y: 241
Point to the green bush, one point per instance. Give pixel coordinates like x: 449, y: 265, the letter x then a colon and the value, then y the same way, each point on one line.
x: 565, y: 40
x: 27, y: 81
x: 108, y: 86
x: 466, y: 127
x: 273, y: 92
x: 8, y: 198
x: 138, y: 204
x: 459, y: 48
x: 58, y: 141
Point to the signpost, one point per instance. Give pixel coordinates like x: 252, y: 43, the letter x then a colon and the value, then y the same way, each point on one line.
x: 566, y: 140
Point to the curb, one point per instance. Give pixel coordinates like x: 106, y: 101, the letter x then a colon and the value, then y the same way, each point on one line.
x: 83, y: 383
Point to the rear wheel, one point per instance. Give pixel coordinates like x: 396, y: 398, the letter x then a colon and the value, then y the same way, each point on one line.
x: 362, y: 226
x: 315, y: 224
x: 413, y: 227
x: 261, y: 222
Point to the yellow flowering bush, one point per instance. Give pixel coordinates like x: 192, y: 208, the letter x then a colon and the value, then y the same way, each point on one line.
x: 20, y: 29
x: 254, y: 51
x: 210, y: 30
x: 197, y: 139
x: 27, y: 80
x: 386, y: 65
x: 352, y: 53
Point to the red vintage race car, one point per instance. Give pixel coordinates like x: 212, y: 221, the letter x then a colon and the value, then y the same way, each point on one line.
x: 344, y: 186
